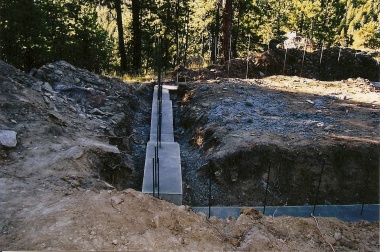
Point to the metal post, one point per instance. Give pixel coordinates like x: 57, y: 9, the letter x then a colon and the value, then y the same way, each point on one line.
x: 266, y: 190
x: 249, y: 42
x: 319, y: 184
x: 303, y: 59
x: 366, y: 190
x: 283, y: 69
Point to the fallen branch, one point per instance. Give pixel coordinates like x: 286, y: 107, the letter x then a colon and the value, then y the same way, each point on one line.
x: 316, y: 221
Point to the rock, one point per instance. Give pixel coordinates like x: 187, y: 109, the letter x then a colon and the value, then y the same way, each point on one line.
x: 205, y: 105
x: 248, y: 104
x: 96, y: 111
x: 57, y: 118
x: 46, y: 99
x: 230, y: 219
x: 235, y: 242
x: 117, y: 200
x: 36, y: 86
x: 8, y: 138
x: 46, y: 87
x: 188, y: 229
x: 330, y: 240
x: 213, y: 219
x: 114, y: 242
x: 156, y: 221
x: 253, y: 213
x: 182, y: 208
x: 75, y: 184
x: 338, y: 236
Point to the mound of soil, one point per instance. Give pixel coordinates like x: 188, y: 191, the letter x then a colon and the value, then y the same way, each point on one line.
x: 326, y: 65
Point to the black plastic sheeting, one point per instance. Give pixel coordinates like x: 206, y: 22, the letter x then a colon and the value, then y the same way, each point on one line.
x: 347, y: 213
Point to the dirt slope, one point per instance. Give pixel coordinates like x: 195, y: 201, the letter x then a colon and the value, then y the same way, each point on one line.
x: 80, y: 135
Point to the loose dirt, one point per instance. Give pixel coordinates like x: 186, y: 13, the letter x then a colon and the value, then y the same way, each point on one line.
x: 80, y: 143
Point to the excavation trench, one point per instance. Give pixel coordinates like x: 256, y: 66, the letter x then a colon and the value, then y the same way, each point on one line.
x: 233, y: 157
x: 349, y: 176
x: 126, y: 169
x: 226, y: 159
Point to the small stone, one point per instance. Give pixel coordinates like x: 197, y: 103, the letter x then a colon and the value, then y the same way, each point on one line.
x: 8, y: 138
x: 253, y: 213
x: 338, y: 236
x: 97, y: 111
x: 181, y: 208
x: 117, y: 200
x: 46, y: 99
x: 37, y: 86
x: 46, y: 87
x: 75, y: 184
x: 13, y: 121
x: 248, y: 104
x: 330, y: 240
x: 114, y: 242
x: 230, y: 218
x: 213, y: 219
x: 92, y: 232
x: 188, y: 229
x: 320, y: 124
x: 235, y: 242
x: 205, y: 105
x: 156, y: 221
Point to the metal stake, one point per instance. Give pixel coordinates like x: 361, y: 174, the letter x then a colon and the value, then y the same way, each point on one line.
x: 209, y: 193
x: 153, y: 169
x: 266, y: 190
x: 158, y: 177
x: 319, y: 184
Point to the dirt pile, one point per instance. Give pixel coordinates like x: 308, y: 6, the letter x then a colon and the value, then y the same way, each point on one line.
x: 326, y: 65
x: 235, y: 131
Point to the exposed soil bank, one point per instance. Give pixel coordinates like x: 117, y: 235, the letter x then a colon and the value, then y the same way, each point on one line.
x: 233, y: 131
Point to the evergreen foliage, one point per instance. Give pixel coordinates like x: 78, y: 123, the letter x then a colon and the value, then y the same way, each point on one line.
x: 34, y: 32
x: 111, y: 35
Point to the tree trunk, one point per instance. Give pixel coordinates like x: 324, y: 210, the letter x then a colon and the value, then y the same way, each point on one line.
x: 215, y: 35
x: 119, y: 21
x: 186, y: 35
x: 136, y: 31
x: 176, y: 38
x: 226, y: 29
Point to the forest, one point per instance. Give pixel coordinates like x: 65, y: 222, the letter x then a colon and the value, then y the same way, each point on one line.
x: 128, y: 36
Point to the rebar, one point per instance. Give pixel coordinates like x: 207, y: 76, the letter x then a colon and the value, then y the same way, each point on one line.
x: 209, y: 193
x: 266, y: 190
x: 158, y: 177
x: 154, y: 171
x: 319, y: 184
